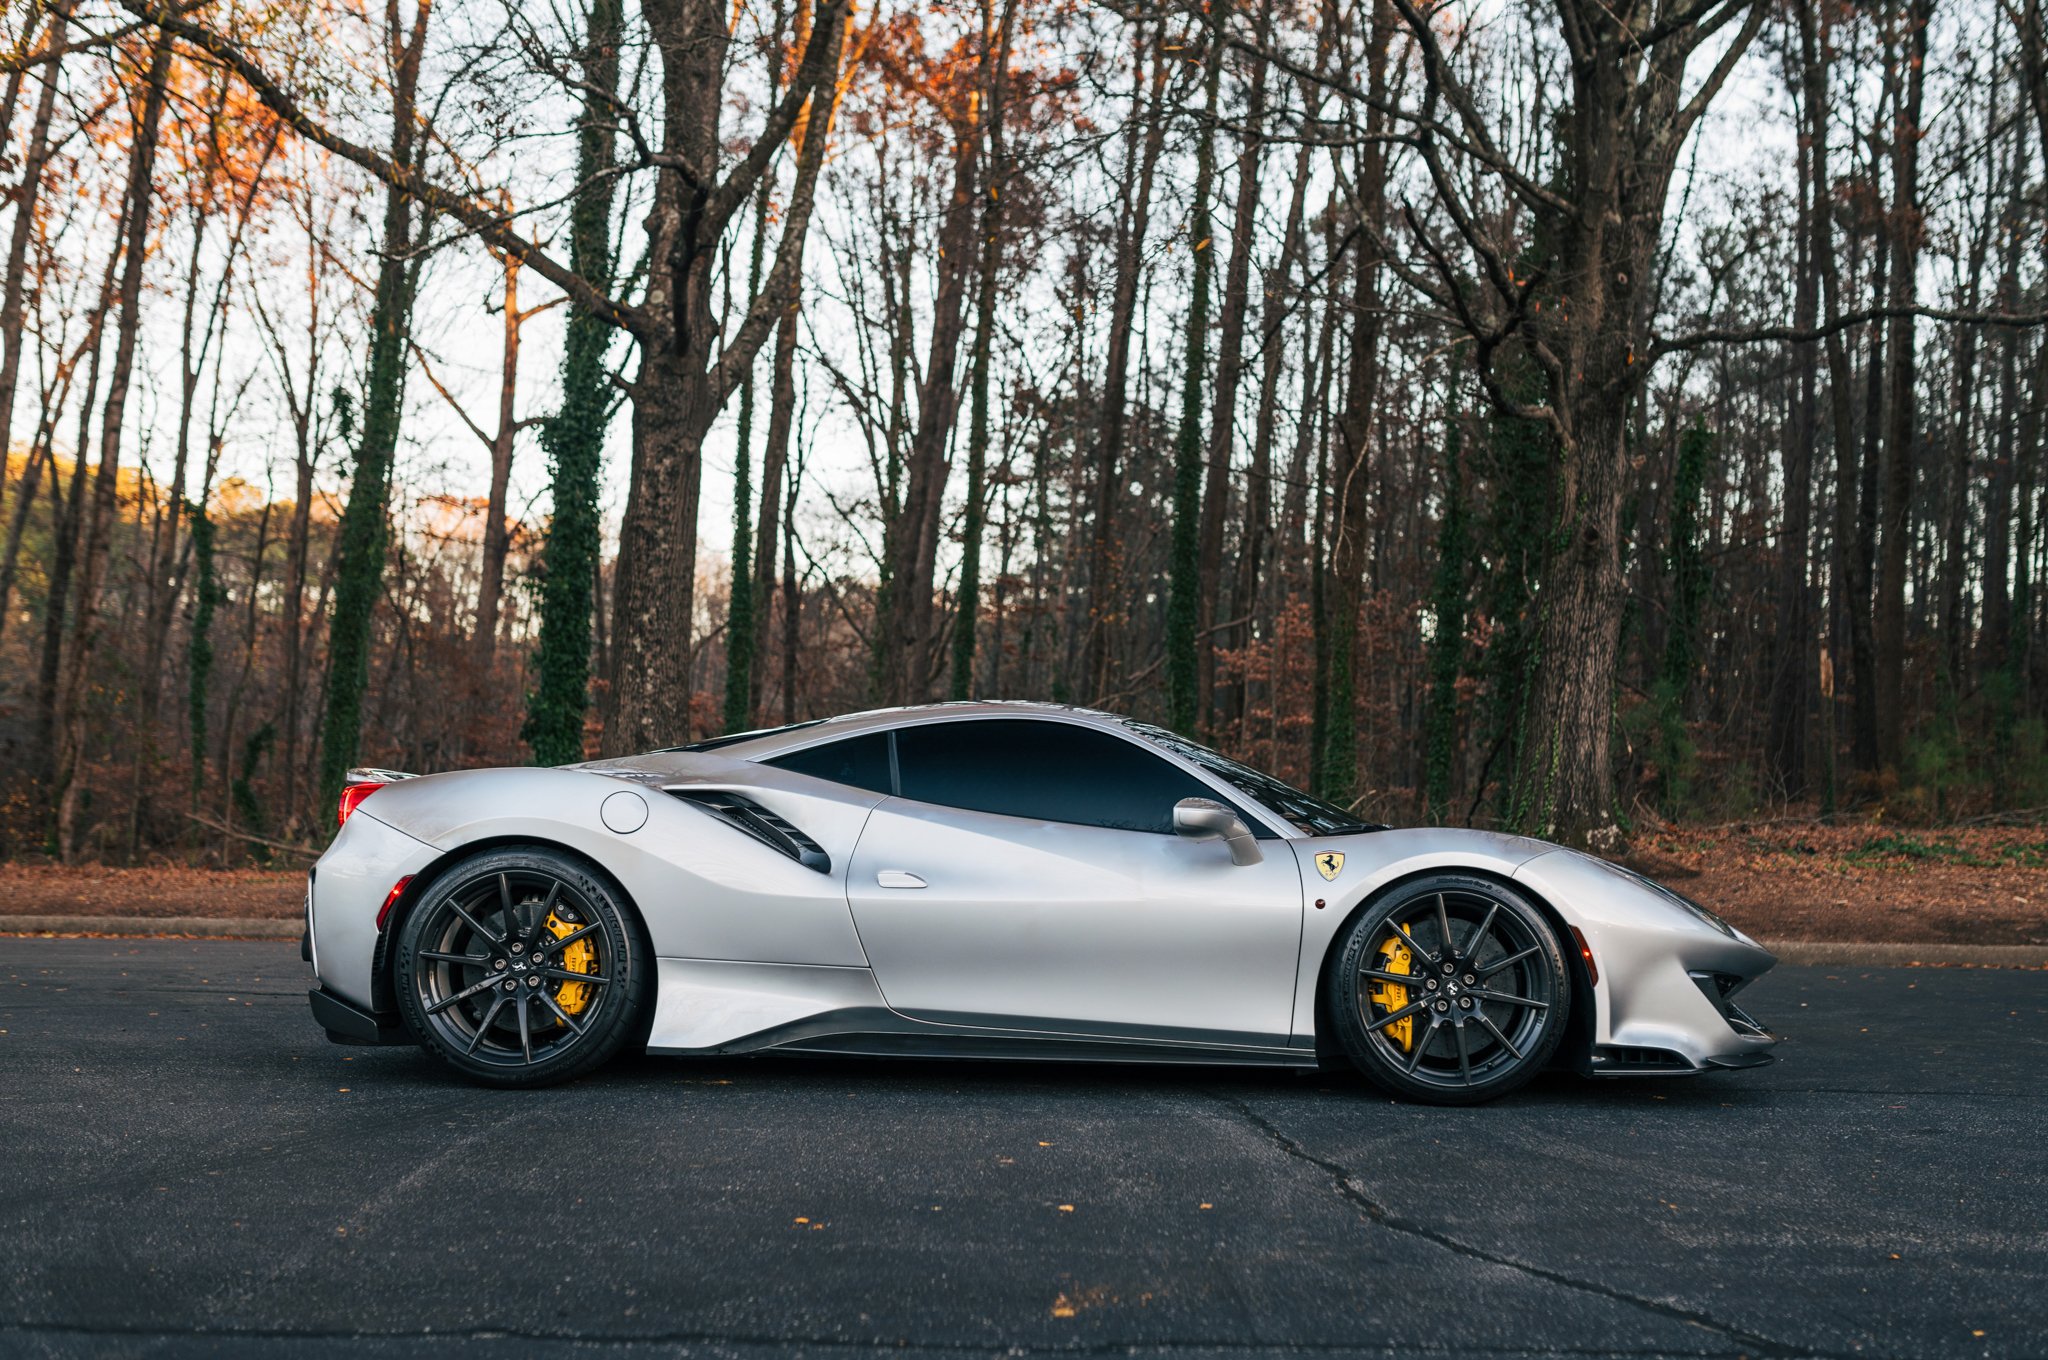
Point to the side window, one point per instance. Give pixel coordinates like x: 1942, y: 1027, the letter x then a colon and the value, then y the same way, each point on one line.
x: 1048, y: 771
x: 861, y: 761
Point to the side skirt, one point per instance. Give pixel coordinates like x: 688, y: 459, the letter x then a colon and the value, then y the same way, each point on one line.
x: 710, y: 1007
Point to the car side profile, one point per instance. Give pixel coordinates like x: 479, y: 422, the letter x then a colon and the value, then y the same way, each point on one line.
x: 994, y: 880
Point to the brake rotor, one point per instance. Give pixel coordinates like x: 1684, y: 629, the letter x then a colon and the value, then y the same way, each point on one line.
x: 580, y: 957
x: 1392, y: 996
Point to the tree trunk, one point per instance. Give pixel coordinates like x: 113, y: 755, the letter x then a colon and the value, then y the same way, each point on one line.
x: 1906, y: 231
x: 1848, y: 582
x: 741, y: 631
x: 688, y: 366
x: 1229, y: 376
x: 13, y: 300
x: 903, y: 625
x: 365, y: 531
x: 97, y: 530
x: 1148, y: 135
x: 574, y: 437
x: 1785, y: 738
x: 497, y: 532
x: 1997, y: 632
x: 1351, y: 508
x: 967, y: 612
x: 774, y: 468
x: 1185, y: 576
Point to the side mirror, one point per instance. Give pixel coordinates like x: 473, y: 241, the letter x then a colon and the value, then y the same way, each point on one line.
x: 1204, y: 819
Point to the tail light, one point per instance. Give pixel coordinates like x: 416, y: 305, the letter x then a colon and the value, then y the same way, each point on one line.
x: 359, y: 784
x: 352, y: 796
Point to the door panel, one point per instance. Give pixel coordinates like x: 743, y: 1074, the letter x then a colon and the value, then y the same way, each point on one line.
x: 1076, y: 929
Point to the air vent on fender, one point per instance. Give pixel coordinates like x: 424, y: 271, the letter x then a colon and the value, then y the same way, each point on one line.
x: 743, y: 813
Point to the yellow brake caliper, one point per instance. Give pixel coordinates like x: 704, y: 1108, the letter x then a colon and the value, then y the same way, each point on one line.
x: 1392, y: 996
x: 580, y: 957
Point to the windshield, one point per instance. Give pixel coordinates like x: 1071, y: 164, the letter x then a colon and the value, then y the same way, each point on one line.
x: 1307, y: 812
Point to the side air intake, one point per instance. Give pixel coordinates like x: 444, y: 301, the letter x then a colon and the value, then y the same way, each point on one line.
x: 744, y: 814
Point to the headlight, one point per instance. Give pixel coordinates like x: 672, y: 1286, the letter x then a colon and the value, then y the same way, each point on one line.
x: 1680, y: 899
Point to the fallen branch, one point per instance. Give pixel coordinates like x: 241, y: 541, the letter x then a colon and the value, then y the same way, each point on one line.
x: 252, y: 837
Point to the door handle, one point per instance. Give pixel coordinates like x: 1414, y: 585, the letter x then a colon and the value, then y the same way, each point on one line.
x: 896, y: 878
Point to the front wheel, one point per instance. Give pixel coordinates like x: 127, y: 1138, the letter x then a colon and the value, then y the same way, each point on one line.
x: 1451, y: 991
x: 520, y: 968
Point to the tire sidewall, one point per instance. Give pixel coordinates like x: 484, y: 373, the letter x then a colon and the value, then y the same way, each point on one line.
x: 616, y: 1023
x: 1370, y: 926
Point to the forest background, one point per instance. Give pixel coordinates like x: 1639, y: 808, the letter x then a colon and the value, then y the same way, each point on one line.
x: 1581, y: 418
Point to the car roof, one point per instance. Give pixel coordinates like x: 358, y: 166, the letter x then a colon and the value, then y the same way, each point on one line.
x: 778, y: 740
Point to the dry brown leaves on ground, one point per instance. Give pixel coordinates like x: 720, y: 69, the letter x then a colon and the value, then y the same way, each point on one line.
x: 1866, y: 884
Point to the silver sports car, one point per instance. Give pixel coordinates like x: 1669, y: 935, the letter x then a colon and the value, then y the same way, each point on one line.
x: 994, y: 880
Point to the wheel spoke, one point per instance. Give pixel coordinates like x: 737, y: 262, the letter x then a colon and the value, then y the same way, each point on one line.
x: 567, y: 976
x: 1495, y: 1031
x: 572, y: 937
x: 445, y: 1002
x: 566, y: 1018
x: 1507, y: 998
x: 1443, y: 926
x: 505, y: 905
x: 1401, y: 979
x: 1516, y: 957
x: 497, y: 1004
x: 474, y: 924
x: 477, y: 959
x: 1422, y: 1041
x: 1464, y: 1054
x: 1417, y: 950
x: 547, y: 909
x: 525, y: 1030
x: 1396, y: 1016
x: 1476, y: 941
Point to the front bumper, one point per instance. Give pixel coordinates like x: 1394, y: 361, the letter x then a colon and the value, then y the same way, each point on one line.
x: 1665, y: 1003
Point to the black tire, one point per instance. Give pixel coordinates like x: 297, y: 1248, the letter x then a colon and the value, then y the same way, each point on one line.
x: 1481, y: 1017
x: 471, y: 992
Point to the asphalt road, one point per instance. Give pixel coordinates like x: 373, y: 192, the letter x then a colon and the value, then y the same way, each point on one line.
x: 191, y: 1169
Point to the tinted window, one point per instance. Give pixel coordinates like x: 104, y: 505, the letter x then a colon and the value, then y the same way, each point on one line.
x: 861, y: 761
x: 1308, y: 813
x: 1048, y: 771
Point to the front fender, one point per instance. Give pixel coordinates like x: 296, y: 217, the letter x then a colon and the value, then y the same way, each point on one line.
x: 1374, y: 861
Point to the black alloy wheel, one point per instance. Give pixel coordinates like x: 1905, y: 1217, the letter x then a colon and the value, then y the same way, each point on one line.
x: 1450, y: 991
x: 520, y: 968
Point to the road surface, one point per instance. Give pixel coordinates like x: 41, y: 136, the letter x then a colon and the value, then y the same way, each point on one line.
x: 193, y: 1170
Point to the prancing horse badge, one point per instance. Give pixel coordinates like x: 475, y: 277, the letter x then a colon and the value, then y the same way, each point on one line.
x: 1330, y: 863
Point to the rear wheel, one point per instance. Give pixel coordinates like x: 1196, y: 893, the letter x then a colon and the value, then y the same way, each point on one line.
x: 520, y: 968
x: 1450, y: 991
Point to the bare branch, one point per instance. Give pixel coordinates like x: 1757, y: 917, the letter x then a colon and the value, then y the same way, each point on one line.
x: 491, y: 226
x: 1765, y: 335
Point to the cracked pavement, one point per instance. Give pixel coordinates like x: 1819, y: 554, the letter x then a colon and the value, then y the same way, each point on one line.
x: 194, y: 1170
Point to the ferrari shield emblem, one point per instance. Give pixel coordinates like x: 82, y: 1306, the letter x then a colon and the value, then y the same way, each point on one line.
x: 1330, y: 863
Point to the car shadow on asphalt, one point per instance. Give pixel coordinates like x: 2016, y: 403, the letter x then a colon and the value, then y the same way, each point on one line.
x: 802, y: 1075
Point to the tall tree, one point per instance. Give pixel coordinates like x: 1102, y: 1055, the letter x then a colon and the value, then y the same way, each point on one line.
x: 574, y: 438
x: 1229, y: 376
x: 995, y: 80
x: 97, y: 527
x: 365, y: 523
x: 1630, y: 105
x: 1184, y: 581
x: 1134, y: 213
x: 1350, y: 551
x: 1905, y: 230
